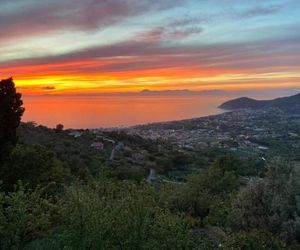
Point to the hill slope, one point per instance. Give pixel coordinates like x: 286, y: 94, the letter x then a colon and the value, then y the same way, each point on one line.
x: 289, y: 104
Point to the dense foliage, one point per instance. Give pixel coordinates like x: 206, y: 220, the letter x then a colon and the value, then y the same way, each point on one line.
x: 90, y: 192
x: 272, y: 203
x: 109, y: 215
x: 25, y: 215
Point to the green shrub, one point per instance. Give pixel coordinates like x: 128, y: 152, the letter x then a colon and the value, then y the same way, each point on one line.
x: 258, y: 240
x: 118, y: 215
x: 34, y: 165
x: 24, y: 216
x: 271, y: 203
x: 207, y: 194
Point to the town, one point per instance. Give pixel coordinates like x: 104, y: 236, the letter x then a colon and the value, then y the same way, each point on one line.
x: 259, y: 131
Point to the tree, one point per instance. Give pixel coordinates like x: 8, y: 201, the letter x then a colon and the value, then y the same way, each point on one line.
x: 117, y: 215
x: 11, y: 111
x: 59, y: 128
x: 34, y: 165
x: 206, y: 194
x: 272, y: 203
x: 25, y: 215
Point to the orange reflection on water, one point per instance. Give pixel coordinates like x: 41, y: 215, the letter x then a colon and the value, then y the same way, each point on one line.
x: 113, y: 111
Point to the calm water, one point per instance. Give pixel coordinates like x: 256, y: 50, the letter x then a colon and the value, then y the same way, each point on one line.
x: 115, y: 111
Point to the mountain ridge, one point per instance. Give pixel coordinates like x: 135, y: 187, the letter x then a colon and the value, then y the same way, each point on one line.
x: 290, y: 104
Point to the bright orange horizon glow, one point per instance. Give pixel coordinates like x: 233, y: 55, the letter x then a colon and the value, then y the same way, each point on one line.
x: 60, y: 79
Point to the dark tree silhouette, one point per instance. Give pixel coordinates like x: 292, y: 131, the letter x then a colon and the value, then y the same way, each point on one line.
x: 59, y: 128
x: 11, y: 111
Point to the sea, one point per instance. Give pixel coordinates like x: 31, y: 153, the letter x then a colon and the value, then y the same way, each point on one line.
x: 117, y: 111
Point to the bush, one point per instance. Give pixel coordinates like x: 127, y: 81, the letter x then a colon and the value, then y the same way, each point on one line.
x: 258, y: 240
x: 118, y: 215
x: 207, y: 193
x: 32, y: 164
x: 272, y: 203
x: 24, y: 216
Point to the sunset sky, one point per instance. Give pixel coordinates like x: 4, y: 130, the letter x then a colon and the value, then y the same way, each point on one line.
x: 92, y: 46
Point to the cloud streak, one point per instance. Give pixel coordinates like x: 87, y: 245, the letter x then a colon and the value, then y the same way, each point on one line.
x: 262, y: 11
x: 132, y: 62
x: 55, y: 45
x: 46, y: 17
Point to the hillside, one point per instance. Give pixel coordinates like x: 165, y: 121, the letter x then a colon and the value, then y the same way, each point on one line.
x: 203, y: 173
x: 289, y: 104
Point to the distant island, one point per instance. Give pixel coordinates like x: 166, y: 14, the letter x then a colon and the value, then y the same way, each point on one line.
x: 180, y: 92
x: 148, y: 92
x: 289, y: 104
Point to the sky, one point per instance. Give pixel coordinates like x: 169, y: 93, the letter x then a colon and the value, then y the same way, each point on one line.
x: 95, y: 46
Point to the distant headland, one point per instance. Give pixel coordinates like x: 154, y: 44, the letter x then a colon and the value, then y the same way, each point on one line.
x: 290, y: 104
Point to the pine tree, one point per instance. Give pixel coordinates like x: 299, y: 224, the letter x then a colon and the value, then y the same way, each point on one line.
x: 11, y: 111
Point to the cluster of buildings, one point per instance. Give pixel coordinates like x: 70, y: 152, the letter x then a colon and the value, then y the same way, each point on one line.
x: 244, y: 129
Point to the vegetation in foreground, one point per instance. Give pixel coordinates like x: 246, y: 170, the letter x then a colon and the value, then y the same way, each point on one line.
x: 57, y: 194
